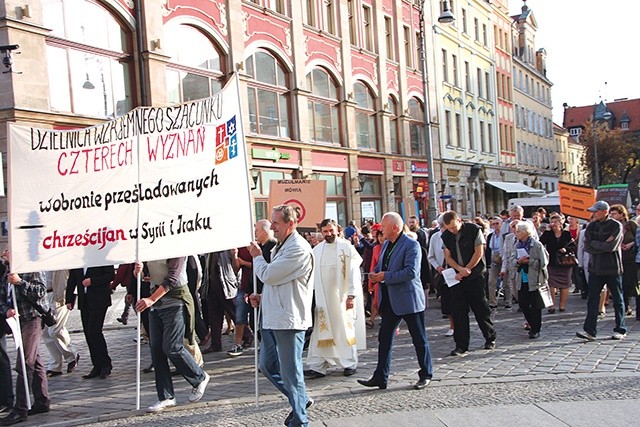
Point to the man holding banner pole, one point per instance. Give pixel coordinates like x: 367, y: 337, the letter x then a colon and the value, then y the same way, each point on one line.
x: 286, y: 310
x: 169, y: 303
x: 19, y: 295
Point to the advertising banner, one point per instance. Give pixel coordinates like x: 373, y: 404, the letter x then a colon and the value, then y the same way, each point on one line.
x: 614, y: 194
x: 575, y: 199
x: 308, y: 197
x: 155, y: 183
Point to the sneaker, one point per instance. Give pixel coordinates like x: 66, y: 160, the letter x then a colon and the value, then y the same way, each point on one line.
x: 161, y: 405
x: 490, y: 345
x: 618, y: 336
x: 459, y: 352
x: 235, y: 351
x: 198, y: 392
x: 585, y: 335
x: 449, y: 333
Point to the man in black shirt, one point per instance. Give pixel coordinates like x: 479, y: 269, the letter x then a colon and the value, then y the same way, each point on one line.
x: 464, y: 250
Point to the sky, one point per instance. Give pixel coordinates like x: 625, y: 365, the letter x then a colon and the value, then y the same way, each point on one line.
x: 588, y: 43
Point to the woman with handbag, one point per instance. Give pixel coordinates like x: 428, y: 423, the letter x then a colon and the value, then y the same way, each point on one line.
x: 531, y: 260
x: 561, y: 249
x: 628, y: 246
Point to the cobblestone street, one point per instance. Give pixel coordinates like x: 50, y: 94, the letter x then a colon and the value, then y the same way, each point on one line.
x: 557, y: 367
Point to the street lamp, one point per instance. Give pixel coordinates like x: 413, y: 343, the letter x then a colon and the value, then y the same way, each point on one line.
x: 446, y: 17
x: 606, y: 116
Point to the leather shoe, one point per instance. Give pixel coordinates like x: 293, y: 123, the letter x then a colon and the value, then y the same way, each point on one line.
x: 289, y: 418
x: 53, y: 373
x: 73, y: 364
x: 373, y: 383
x: 148, y: 369
x: 105, y: 372
x: 421, y: 384
x: 211, y: 350
x: 12, y: 419
x: 38, y: 409
x: 312, y: 375
x: 348, y: 372
x: 95, y: 373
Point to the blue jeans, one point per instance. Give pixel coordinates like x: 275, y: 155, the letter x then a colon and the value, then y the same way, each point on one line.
x: 614, y: 284
x: 166, y: 335
x: 386, y: 337
x: 242, y: 310
x: 281, y: 363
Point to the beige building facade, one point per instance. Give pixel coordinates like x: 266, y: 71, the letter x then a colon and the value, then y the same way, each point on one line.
x: 535, y: 146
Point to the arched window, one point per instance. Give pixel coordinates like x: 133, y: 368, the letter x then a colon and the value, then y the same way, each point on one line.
x: 394, y: 133
x: 365, y: 117
x: 88, y: 58
x: 416, y: 127
x: 324, y: 122
x: 192, y: 73
x: 268, y: 95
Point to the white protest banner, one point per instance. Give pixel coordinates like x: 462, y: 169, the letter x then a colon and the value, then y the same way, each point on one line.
x: 74, y: 195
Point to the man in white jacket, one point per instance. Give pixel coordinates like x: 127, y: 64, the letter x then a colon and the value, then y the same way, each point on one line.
x: 286, y: 310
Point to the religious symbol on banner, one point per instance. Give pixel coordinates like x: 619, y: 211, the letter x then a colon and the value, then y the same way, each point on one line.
x: 226, y: 141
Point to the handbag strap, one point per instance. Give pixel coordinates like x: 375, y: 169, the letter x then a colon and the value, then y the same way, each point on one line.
x: 37, y: 307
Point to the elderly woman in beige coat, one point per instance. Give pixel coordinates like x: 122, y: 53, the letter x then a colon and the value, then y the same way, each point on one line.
x: 531, y: 260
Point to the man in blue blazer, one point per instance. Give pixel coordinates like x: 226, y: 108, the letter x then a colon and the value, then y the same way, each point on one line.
x: 402, y: 297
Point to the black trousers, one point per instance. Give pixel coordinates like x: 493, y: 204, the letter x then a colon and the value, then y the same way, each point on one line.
x: 92, y: 324
x: 6, y: 384
x: 531, y: 304
x: 470, y: 294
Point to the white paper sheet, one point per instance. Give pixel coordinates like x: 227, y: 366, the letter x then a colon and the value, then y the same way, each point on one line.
x: 449, y: 275
x: 521, y: 252
x: 15, y: 331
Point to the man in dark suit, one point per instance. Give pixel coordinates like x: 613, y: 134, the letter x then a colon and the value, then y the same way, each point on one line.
x: 398, y: 272
x: 94, y: 298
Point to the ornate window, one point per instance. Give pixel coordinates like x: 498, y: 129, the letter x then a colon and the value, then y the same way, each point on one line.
x: 89, y: 59
x: 324, y: 122
x: 394, y: 133
x: 193, y: 73
x: 365, y: 117
x: 269, y: 95
x: 416, y: 127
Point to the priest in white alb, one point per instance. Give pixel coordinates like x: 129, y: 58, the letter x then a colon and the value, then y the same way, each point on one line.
x: 339, y: 323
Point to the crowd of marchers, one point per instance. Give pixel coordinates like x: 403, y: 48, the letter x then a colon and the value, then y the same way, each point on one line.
x: 319, y: 291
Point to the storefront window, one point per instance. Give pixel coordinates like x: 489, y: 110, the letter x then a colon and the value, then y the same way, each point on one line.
x: 260, y: 193
x: 336, y: 198
x: 371, y: 197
